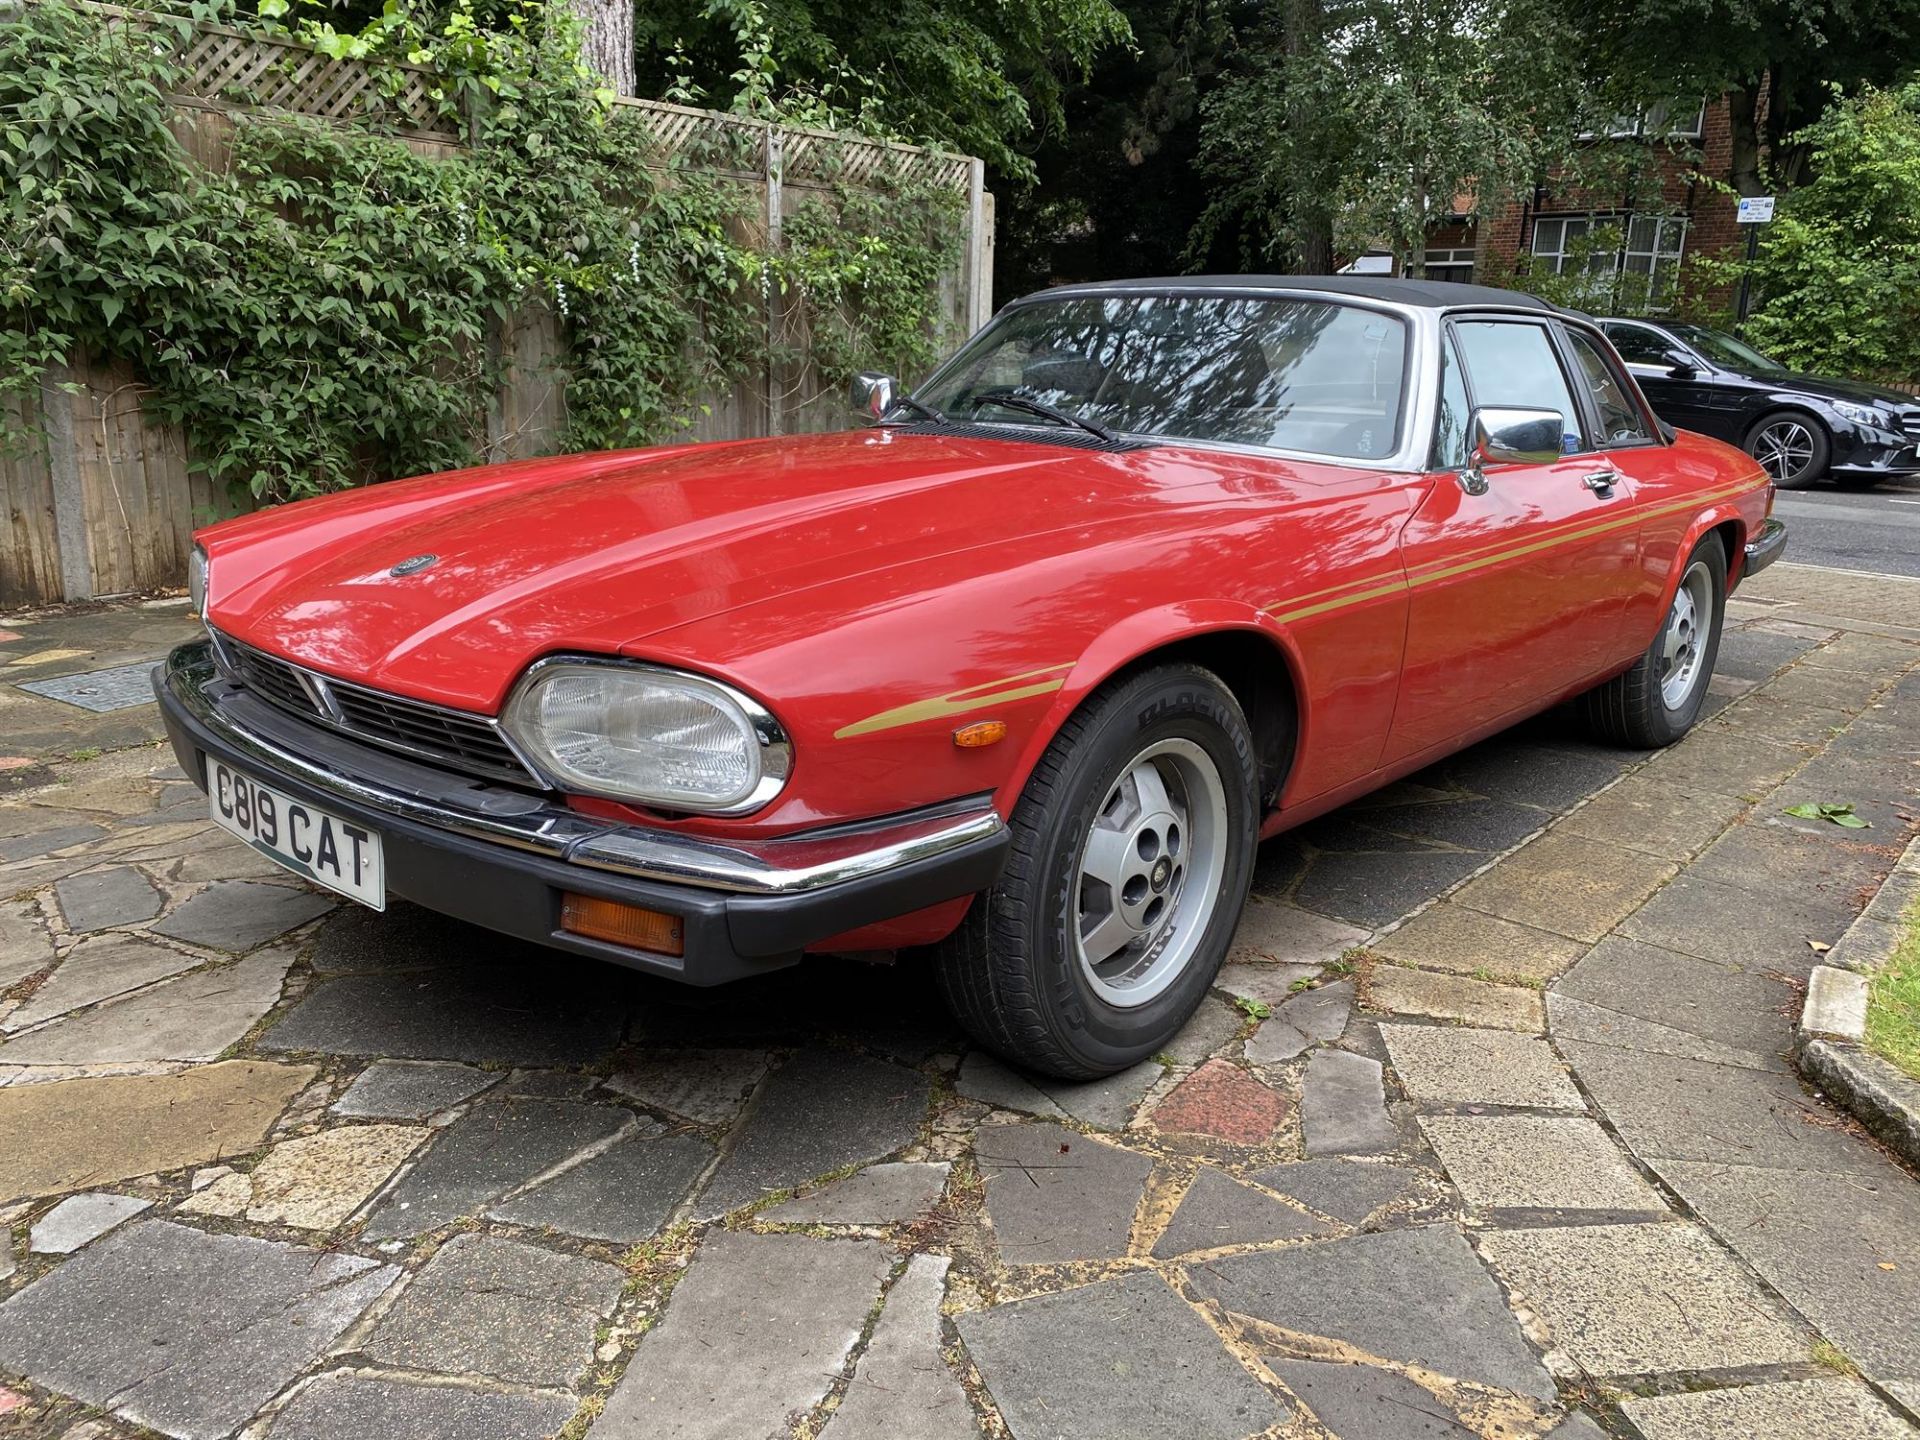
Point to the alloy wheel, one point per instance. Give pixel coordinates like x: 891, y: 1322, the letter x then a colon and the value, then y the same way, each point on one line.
x: 1682, y: 642
x: 1149, y: 872
x: 1784, y: 450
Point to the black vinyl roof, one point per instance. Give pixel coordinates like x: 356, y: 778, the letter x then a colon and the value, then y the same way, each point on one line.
x: 1428, y: 294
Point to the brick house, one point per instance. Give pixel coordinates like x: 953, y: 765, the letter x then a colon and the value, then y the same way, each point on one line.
x: 1663, y: 216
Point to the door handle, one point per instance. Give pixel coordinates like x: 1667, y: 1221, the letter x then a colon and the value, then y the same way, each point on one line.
x: 1601, y: 483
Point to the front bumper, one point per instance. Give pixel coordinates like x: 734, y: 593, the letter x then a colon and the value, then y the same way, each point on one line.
x: 503, y: 858
x: 1874, y: 453
x: 1764, y: 548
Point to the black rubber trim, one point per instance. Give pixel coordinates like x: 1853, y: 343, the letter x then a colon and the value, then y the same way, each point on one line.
x: 1765, y: 548
x: 514, y: 892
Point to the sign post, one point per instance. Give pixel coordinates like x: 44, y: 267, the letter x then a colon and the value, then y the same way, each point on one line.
x: 1754, y: 211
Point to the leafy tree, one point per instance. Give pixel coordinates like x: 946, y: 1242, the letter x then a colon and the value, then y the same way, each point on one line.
x: 1345, y: 125
x: 1773, y: 59
x: 964, y: 74
x: 1840, y: 270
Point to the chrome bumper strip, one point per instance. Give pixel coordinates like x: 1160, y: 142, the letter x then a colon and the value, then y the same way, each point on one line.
x: 790, y: 865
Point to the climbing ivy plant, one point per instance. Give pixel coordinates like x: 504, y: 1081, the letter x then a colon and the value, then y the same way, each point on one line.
x: 327, y: 308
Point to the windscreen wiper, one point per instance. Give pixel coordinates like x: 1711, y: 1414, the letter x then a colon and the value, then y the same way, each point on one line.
x: 907, y: 402
x: 1013, y: 400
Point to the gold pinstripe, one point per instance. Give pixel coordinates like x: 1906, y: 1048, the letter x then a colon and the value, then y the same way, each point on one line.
x: 1029, y: 683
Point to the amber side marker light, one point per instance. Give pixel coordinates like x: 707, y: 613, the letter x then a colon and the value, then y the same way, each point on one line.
x: 981, y: 732
x: 621, y: 924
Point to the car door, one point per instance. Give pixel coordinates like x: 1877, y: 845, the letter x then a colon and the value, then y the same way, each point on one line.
x: 1686, y: 399
x: 1517, y: 585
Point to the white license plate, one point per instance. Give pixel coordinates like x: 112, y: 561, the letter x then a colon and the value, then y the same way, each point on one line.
x: 326, y: 849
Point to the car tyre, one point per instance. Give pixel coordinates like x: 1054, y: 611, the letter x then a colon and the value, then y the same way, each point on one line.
x: 1659, y: 699
x: 1791, y: 446
x: 1133, y: 849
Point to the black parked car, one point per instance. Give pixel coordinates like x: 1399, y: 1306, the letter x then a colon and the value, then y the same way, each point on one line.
x: 1799, y: 427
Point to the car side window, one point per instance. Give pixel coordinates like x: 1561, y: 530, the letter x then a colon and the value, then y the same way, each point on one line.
x: 1638, y: 345
x: 1450, y: 432
x: 1621, y: 422
x: 1514, y: 363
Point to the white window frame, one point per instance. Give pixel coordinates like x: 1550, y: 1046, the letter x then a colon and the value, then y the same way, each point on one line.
x: 1450, y: 256
x: 1651, y: 124
x: 1664, y: 257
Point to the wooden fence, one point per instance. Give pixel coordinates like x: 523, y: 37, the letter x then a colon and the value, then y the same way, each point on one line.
x: 103, y: 500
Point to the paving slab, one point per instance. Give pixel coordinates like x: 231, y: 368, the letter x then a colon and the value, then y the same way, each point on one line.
x: 1711, y: 920
x: 1537, y: 1162
x: 1671, y: 1108
x: 556, y: 1015
x: 1652, y: 817
x: 404, y: 936
x: 487, y: 1306
x: 757, y: 1330
x: 79, y: 1219
x: 1222, y: 1102
x: 1210, y: 1029
x: 411, y: 1089
x: 991, y: 1081
x: 1362, y: 1400
x: 1740, y: 1009
x: 1471, y: 822
x: 708, y: 1086
x: 1349, y: 1190
x: 493, y: 1149
x: 101, y: 899
x: 1396, y: 990
x: 1576, y: 1020
x: 66, y: 1134
x: 1725, y: 762
x: 821, y: 1110
x: 1121, y: 1357
x: 94, y: 970
x: 1312, y: 1017
x: 1455, y: 1065
x: 902, y: 1387
x: 1218, y: 1210
x: 236, y: 1319
x: 194, y: 1016
x: 1464, y: 941
x: 1343, y: 1106
x: 1285, y: 933
x: 1770, y: 857
x: 49, y: 840
x: 1824, y: 1240
x: 1106, y: 1104
x: 238, y: 915
x: 1805, y: 1409
x: 1258, y: 980
x: 1448, y: 1315
x: 1054, y: 1194
x: 1626, y: 1300
x: 348, y: 1406
x: 625, y: 1194
x: 878, y: 1195
x: 1567, y: 884
x: 1752, y: 653
x: 315, y: 1182
x: 25, y: 946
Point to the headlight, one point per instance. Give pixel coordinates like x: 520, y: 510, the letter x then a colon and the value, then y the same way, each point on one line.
x: 660, y: 737
x: 197, y: 581
x: 1863, y: 414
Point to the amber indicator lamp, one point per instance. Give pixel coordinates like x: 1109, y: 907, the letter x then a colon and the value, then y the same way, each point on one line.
x: 621, y: 924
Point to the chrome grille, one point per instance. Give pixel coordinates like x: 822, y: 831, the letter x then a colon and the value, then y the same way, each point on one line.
x: 455, y: 739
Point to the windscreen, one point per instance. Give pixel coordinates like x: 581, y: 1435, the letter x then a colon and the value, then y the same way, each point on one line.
x: 1314, y: 376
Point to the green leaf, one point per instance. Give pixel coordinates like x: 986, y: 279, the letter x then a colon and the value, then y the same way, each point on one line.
x: 1838, y: 814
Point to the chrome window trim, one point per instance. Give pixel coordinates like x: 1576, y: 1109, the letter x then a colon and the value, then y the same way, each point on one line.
x: 776, y: 746
x: 321, y: 690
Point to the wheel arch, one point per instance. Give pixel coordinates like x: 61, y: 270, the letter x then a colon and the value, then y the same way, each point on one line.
x: 1255, y: 659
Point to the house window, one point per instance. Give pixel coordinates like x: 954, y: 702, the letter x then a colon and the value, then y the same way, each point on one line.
x: 1657, y: 122
x: 1455, y: 263
x: 1629, y: 261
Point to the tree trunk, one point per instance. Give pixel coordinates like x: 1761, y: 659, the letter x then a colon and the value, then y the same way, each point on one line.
x: 606, y: 41
x: 1312, y: 220
x: 1743, y: 104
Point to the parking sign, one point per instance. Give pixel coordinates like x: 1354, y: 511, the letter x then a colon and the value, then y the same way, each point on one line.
x: 1755, y: 209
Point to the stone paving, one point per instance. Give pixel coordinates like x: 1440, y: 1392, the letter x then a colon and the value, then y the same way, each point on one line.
x: 1487, y: 1130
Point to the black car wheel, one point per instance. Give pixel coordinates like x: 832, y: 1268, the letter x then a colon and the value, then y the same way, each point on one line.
x: 1133, y: 848
x: 1791, y: 446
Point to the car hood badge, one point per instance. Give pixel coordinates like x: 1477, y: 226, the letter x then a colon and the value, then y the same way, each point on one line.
x: 412, y: 565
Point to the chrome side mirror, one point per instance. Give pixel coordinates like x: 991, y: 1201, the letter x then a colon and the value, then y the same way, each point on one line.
x: 1511, y: 437
x: 872, y: 393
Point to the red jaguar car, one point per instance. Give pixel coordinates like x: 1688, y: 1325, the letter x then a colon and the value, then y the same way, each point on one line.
x: 1023, y: 672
